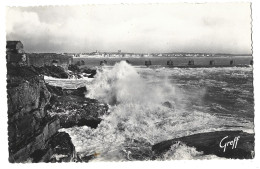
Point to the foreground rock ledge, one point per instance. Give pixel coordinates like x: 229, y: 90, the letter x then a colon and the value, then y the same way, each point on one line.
x: 208, y: 143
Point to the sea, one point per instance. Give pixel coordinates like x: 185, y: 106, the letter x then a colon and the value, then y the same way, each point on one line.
x: 148, y: 105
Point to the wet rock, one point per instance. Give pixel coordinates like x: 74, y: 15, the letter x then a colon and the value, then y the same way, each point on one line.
x: 74, y: 68
x: 209, y: 142
x: 168, y: 104
x: 36, y: 112
x: 58, y: 91
x: 83, y: 158
x: 53, y: 71
x: 91, y: 72
x: 77, y: 92
x: 59, y: 149
x: 26, y: 112
x: 137, y: 150
x: 25, y: 72
x: 30, y: 128
x: 55, y: 90
x: 76, y: 72
x: 74, y: 110
x: 36, y: 142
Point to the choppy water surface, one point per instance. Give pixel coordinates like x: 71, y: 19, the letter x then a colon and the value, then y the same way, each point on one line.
x: 198, y: 100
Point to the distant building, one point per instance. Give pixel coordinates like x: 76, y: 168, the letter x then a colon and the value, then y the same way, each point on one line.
x: 96, y: 53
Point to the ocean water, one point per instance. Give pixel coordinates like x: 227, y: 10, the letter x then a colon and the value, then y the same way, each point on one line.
x: 150, y: 105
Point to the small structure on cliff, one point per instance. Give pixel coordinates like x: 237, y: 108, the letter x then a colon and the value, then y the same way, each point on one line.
x: 15, y: 53
x: 14, y: 47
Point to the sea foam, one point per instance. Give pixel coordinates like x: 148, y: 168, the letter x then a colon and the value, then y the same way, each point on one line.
x: 137, y: 113
x: 122, y: 84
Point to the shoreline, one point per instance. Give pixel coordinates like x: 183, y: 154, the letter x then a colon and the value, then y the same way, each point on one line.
x: 70, y: 107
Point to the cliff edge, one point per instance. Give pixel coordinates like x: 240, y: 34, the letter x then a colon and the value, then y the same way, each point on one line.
x: 33, y: 134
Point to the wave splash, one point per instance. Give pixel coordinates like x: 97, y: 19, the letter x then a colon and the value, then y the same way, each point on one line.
x: 142, y: 113
x: 122, y: 84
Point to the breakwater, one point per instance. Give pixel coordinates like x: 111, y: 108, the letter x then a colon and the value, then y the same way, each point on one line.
x: 170, y: 62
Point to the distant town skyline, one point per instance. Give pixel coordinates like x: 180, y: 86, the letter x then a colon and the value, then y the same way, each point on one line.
x: 139, y: 28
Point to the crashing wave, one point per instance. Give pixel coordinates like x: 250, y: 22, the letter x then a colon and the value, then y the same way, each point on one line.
x: 144, y: 109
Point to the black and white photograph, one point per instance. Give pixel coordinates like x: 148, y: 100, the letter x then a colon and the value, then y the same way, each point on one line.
x: 129, y: 82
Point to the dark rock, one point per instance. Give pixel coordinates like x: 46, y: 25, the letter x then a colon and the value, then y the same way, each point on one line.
x: 18, y: 71
x: 77, y: 92
x: 208, y: 143
x: 58, y: 91
x: 37, y: 155
x: 36, y: 142
x: 33, y: 133
x: 78, y: 73
x: 26, y: 113
x: 30, y: 128
x: 85, y: 158
x: 137, y: 150
x: 26, y: 72
x: 53, y: 71
x: 63, y: 147
x: 74, y: 68
x: 73, y: 110
x: 59, y: 149
x: 55, y: 90
x: 92, y: 72
x: 168, y: 104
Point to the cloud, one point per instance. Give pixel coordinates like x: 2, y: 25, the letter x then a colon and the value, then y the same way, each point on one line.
x: 182, y: 27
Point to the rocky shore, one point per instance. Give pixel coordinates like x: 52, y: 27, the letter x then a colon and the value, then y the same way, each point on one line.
x: 73, y: 109
x: 37, y: 111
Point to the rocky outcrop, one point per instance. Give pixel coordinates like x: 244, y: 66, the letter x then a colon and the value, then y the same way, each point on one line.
x: 30, y: 128
x: 29, y: 71
x: 36, y: 111
x: 59, y: 149
x: 76, y: 72
x: 53, y: 71
x: 208, y: 143
x: 72, y: 108
x: 34, y: 142
x: 91, y: 72
x: 137, y: 150
x: 74, y: 68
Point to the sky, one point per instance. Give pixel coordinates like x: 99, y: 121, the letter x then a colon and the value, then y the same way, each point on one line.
x: 141, y: 28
